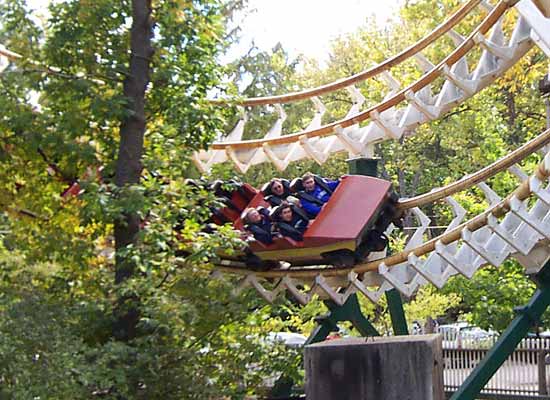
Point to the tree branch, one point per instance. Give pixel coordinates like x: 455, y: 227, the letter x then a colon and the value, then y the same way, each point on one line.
x: 56, y: 169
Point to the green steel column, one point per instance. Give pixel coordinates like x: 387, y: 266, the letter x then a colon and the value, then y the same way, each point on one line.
x: 518, y: 328
x: 325, y: 325
x: 349, y: 311
x: 363, y: 166
x: 397, y: 313
x: 369, y: 167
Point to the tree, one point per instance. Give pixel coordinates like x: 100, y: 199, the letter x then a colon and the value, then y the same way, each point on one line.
x: 125, y: 94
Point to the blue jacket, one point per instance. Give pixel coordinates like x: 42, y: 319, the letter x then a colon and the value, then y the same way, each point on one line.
x: 320, y: 194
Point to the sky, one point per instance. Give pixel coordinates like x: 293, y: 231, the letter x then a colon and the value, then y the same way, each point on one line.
x: 307, y: 26
x: 302, y: 26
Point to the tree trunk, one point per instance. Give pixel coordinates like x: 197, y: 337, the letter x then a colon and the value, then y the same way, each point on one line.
x: 128, y: 167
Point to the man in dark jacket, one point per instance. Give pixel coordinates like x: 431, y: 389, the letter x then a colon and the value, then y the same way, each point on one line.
x: 258, y: 223
x: 291, y: 223
x: 315, y: 194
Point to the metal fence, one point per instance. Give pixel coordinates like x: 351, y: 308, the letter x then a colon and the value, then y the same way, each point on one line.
x: 525, y: 374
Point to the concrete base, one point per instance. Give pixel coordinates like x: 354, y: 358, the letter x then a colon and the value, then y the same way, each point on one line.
x: 382, y: 368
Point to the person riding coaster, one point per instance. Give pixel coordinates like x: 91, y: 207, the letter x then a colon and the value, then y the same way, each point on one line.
x: 313, y: 192
x: 276, y: 191
x: 291, y: 221
x: 258, y: 223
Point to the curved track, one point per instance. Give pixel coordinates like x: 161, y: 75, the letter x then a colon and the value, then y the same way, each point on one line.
x: 516, y: 226
x: 402, y: 110
x: 444, y: 28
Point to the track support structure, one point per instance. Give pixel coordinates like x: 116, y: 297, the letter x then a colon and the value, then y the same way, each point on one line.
x: 526, y: 317
x: 349, y: 311
x: 397, y: 313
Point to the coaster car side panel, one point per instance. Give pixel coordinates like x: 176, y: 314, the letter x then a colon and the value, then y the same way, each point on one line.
x: 351, y: 207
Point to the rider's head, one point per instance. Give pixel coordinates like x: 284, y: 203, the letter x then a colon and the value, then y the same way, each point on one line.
x: 277, y: 187
x: 286, y: 213
x: 308, y: 181
x: 252, y: 216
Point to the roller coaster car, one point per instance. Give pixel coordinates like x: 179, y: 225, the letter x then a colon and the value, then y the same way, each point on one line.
x: 347, y: 229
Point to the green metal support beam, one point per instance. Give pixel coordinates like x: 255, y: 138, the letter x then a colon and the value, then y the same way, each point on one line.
x: 397, y: 313
x: 526, y: 317
x: 349, y: 311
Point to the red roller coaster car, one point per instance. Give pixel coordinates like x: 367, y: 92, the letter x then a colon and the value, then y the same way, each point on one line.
x: 348, y: 228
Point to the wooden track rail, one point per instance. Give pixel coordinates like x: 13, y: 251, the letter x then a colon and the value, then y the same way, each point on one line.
x: 425, y: 80
x: 482, y: 175
x: 386, y: 65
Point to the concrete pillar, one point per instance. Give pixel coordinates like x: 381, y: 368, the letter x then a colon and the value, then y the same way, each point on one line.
x: 380, y: 368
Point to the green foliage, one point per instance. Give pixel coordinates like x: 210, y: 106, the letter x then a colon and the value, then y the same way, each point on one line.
x: 194, y: 338
x: 59, y: 299
x: 489, y: 298
x: 196, y: 341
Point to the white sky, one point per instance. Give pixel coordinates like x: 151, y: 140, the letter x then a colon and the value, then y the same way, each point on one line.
x: 307, y: 26
x: 302, y: 26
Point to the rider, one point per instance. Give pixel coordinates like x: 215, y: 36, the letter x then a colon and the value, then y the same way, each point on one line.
x: 290, y: 222
x: 315, y: 193
x: 258, y: 223
x: 276, y: 191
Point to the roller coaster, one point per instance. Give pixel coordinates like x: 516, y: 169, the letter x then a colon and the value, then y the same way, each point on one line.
x: 348, y: 228
x: 516, y: 226
x: 510, y: 227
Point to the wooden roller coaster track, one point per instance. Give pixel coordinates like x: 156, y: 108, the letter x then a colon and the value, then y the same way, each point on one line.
x: 388, y: 120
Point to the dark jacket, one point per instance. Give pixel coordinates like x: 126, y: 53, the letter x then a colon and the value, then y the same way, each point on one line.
x: 294, y: 229
x: 262, y: 231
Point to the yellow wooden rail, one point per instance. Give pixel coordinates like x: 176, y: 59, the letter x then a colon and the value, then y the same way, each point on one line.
x: 482, y: 175
x: 426, y: 79
x: 386, y: 65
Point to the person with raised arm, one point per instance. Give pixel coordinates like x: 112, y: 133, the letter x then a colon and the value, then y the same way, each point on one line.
x: 316, y: 193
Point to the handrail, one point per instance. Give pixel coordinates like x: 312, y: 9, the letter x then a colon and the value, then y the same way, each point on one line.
x: 521, y: 192
x: 426, y: 79
x: 410, y: 51
x: 483, y: 174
